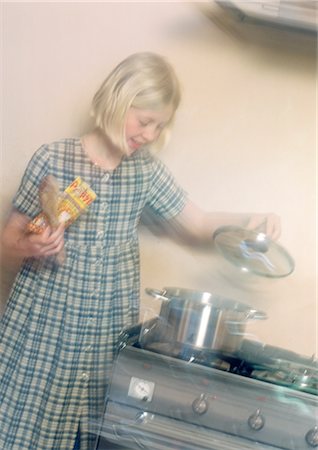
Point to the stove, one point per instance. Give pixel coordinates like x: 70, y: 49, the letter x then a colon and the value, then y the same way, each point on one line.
x: 165, y: 395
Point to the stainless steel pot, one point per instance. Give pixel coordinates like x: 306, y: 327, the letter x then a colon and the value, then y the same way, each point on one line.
x: 201, y: 319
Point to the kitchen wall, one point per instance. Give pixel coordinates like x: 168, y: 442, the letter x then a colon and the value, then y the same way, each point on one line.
x: 244, y: 138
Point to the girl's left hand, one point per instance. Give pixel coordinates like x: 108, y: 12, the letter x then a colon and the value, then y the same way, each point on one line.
x: 268, y: 223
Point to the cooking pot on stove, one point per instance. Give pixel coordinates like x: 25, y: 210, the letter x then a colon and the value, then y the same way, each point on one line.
x: 202, y: 320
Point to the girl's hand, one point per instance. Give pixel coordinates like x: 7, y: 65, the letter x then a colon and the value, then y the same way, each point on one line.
x: 269, y: 223
x: 18, y: 243
x: 45, y: 244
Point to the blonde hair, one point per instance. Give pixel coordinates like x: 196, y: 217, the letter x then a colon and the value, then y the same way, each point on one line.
x: 143, y: 80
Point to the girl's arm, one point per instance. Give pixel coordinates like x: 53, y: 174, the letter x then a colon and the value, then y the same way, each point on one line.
x: 201, y: 224
x: 17, y: 242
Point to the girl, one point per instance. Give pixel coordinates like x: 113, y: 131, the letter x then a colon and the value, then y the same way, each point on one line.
x: 61, y: 323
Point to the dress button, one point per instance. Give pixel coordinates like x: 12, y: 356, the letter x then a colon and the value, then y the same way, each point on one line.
x: 88, y: 348
x: 84, y: 376
x: 106, y: 176
x: 98, y: 261
x: 95, y: 292
x: 104, y: 206
x: 91, y: 320
x: 100, y: 234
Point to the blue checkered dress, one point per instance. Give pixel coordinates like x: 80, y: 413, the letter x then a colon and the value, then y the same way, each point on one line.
x: 58, y: 333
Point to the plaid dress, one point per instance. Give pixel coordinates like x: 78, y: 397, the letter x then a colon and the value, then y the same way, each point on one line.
x: 59, y: 330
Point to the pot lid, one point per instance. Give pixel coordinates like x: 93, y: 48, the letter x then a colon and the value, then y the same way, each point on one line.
x: 253, y: 251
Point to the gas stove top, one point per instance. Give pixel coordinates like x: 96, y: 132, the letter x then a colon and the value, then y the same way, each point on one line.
x: 253, y: 360
x: 171, y: 396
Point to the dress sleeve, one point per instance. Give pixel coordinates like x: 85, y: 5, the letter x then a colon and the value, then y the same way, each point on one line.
x: 26, y: 200
x: 166, y: 198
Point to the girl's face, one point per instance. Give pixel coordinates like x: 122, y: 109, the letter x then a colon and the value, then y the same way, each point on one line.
x: 144, y: 126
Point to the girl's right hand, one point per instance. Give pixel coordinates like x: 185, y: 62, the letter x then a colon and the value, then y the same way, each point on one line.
x: 45, y: 244
x: 17, y: 242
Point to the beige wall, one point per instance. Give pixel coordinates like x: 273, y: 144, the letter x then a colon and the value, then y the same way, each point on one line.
x: 244, y: 139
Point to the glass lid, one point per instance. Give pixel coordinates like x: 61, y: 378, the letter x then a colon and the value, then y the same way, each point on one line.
x: 253, y: 251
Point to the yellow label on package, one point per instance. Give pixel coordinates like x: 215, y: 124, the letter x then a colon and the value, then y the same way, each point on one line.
x: 74, y: 200
x: 77, y: 196
x: 81, y: 193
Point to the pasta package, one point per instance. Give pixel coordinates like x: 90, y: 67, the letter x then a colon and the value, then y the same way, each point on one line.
x: 70, y: 204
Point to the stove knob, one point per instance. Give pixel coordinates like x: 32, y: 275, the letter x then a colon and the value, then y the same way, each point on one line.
x: 256, y: 421
x: 200, y: 405
x: 312, y: 437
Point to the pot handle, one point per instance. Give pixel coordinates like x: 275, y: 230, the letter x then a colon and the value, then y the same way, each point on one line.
x: 157, y: 294
x: 253, y: 314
